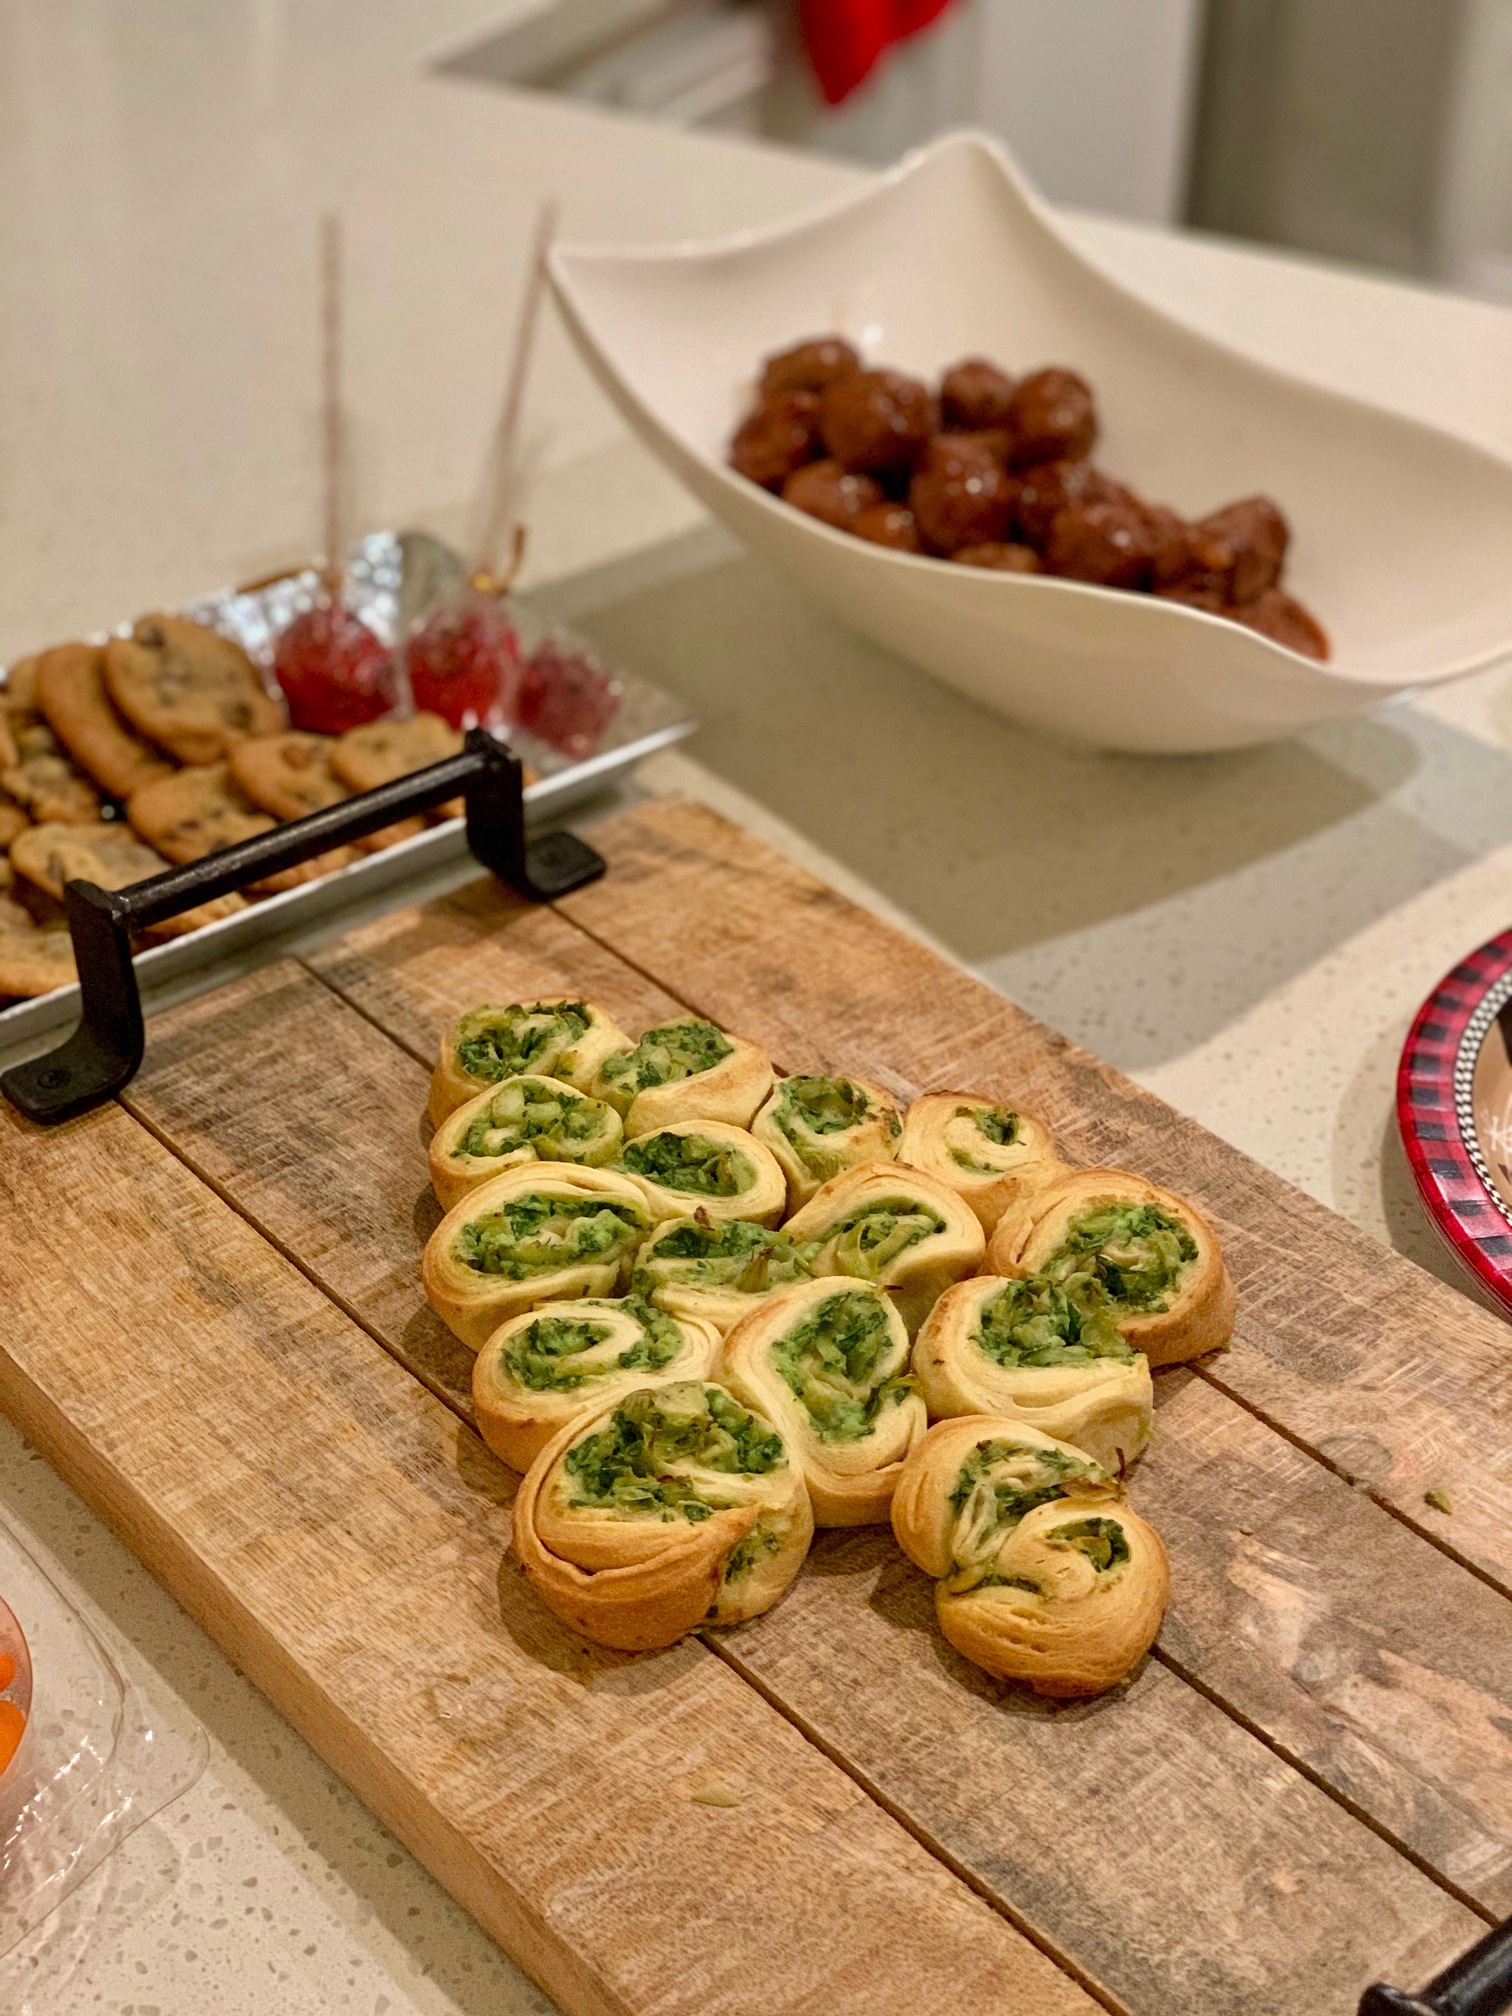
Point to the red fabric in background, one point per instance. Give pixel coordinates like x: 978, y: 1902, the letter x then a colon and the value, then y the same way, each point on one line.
x: 846, y: 38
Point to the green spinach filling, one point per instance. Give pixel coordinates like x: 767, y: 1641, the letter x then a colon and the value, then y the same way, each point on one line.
x: 537, y: 1234
x: 550, y: 1355
x: 829, y: 1361
x: 1133, y: 1253
x: 666, y: 1055
x: 864, y: 1243
x: 743, y: 1556
x: 1103, y: 1541
x: 629, y: 1465
x: 1036, y: 1322
x: 502, y: 1042
x: 735, y: 1255
x: 560, y: 1126
x: 997, y: 1124
x: 809, y: 1109
x: 691, y: 1164
x: 999, y: 1483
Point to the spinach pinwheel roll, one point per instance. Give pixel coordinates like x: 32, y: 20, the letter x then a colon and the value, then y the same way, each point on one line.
x: 995, y: 1156
x: 716, y: 1271
x: 1152, y: 1255
x: 520, y: 1120
x: 547, y: 1367
x: 906, y: 1231
x: 1043, y: 1575
x: 673, y: 1508
x: 827, y: 1362
x: 1023, y: 1348
x: 548, y: 1232
x: 820, y: 1127
x: 686, y: 1069
x: 555, y: 1035
x: 705, y: 1165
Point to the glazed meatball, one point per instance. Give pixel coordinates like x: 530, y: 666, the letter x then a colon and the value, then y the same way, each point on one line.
x: 1184, y: 554
x: 961, y: 495
x: 1282, y: 618
x: 1106, y: 543
x: 779, y: 437
x: 1054, y: 486
x: 889, y: 525
x: 1257, y: 535
x: 975, y: 395
x: 1051, y: 418
x: 827, y: 490
x: 1002, y: 559
x: 873, y: 420
x: 808, y: 367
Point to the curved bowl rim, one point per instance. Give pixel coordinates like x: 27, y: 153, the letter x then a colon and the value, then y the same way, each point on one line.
x: 563, y: 256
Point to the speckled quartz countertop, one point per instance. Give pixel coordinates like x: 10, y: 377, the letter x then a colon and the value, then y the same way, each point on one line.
x: 1247, y: 934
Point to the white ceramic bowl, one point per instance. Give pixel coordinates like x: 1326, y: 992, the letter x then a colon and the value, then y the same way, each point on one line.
x: 1402, y: 535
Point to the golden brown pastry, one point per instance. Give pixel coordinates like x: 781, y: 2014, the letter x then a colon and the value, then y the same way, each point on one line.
x: 526, y: 1119
x: 554, y: 1035
x: 674, y: 1508
x: 818, y: 1127
x: 906, y: 1231
x: 994, y: 1155
x: 187, y: 688
x: 717, y: 1271
x: 547, y: 1367
x: 827, y: 1363
x: 549, y: 1232
x: 708, y: 1167
x: 686, y: 1069
x: 70, y: 689
x: 1043, y: 1575
x: 1151, y: 1253
x: 1024, y: 1349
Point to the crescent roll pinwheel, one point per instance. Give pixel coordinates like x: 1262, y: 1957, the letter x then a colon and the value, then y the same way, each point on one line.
x: 548, y: 1367
x: 1023, y: 1348
x: 1152, y: 1255
x: 675, y: 1507
x: 906, y: 1231
x: 1043, y: 1575
x: 820, y: 1127
x: 827, y: 1362
x: 547, y: 1232
x: 705, y: 1165
x: 994, y: 1156
x: 715, y: 1270
x: 555, y: 1035
x: 520, y: 1120
x: 686, y: 1069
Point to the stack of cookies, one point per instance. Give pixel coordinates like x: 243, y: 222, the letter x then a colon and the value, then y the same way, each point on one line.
x: 119, y: 759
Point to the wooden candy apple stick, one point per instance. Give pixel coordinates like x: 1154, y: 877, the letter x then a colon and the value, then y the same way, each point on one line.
x: 334, y: 672
x: 500, y: 481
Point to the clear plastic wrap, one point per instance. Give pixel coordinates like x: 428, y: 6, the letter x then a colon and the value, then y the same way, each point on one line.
x: 96, y: 1760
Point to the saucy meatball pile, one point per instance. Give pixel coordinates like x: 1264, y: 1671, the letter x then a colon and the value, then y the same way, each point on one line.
x: 992, y: 471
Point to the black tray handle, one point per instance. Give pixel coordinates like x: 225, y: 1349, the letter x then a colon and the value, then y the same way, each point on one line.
x: 105, y: 1051
x: 1479, y: 1983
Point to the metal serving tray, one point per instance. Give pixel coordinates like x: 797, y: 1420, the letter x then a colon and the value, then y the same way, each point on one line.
x: 390, y: 578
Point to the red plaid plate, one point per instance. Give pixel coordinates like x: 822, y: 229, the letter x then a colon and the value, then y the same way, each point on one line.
x: 1454, y: 1109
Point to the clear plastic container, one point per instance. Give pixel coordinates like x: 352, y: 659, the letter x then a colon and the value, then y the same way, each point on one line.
x: 95, y: 1760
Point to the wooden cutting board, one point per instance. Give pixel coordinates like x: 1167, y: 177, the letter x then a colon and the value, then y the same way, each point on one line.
x: 214, y: 1330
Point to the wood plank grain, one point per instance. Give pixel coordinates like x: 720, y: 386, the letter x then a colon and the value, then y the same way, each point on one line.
x: 341, y: 1535
x: 228, y: 1084
x: 1385, y: 1373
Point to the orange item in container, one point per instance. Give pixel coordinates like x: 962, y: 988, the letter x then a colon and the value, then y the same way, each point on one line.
x: 12, y: 1728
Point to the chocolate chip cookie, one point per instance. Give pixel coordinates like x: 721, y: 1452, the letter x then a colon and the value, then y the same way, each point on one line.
x: 188, y: 689
x: 53, y: 855
x: 366, y: 757
x: 200, y: 809
x: 41, y: 780
x: 32, y: 960
x: 290, y: 774
x: 70, y: 688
